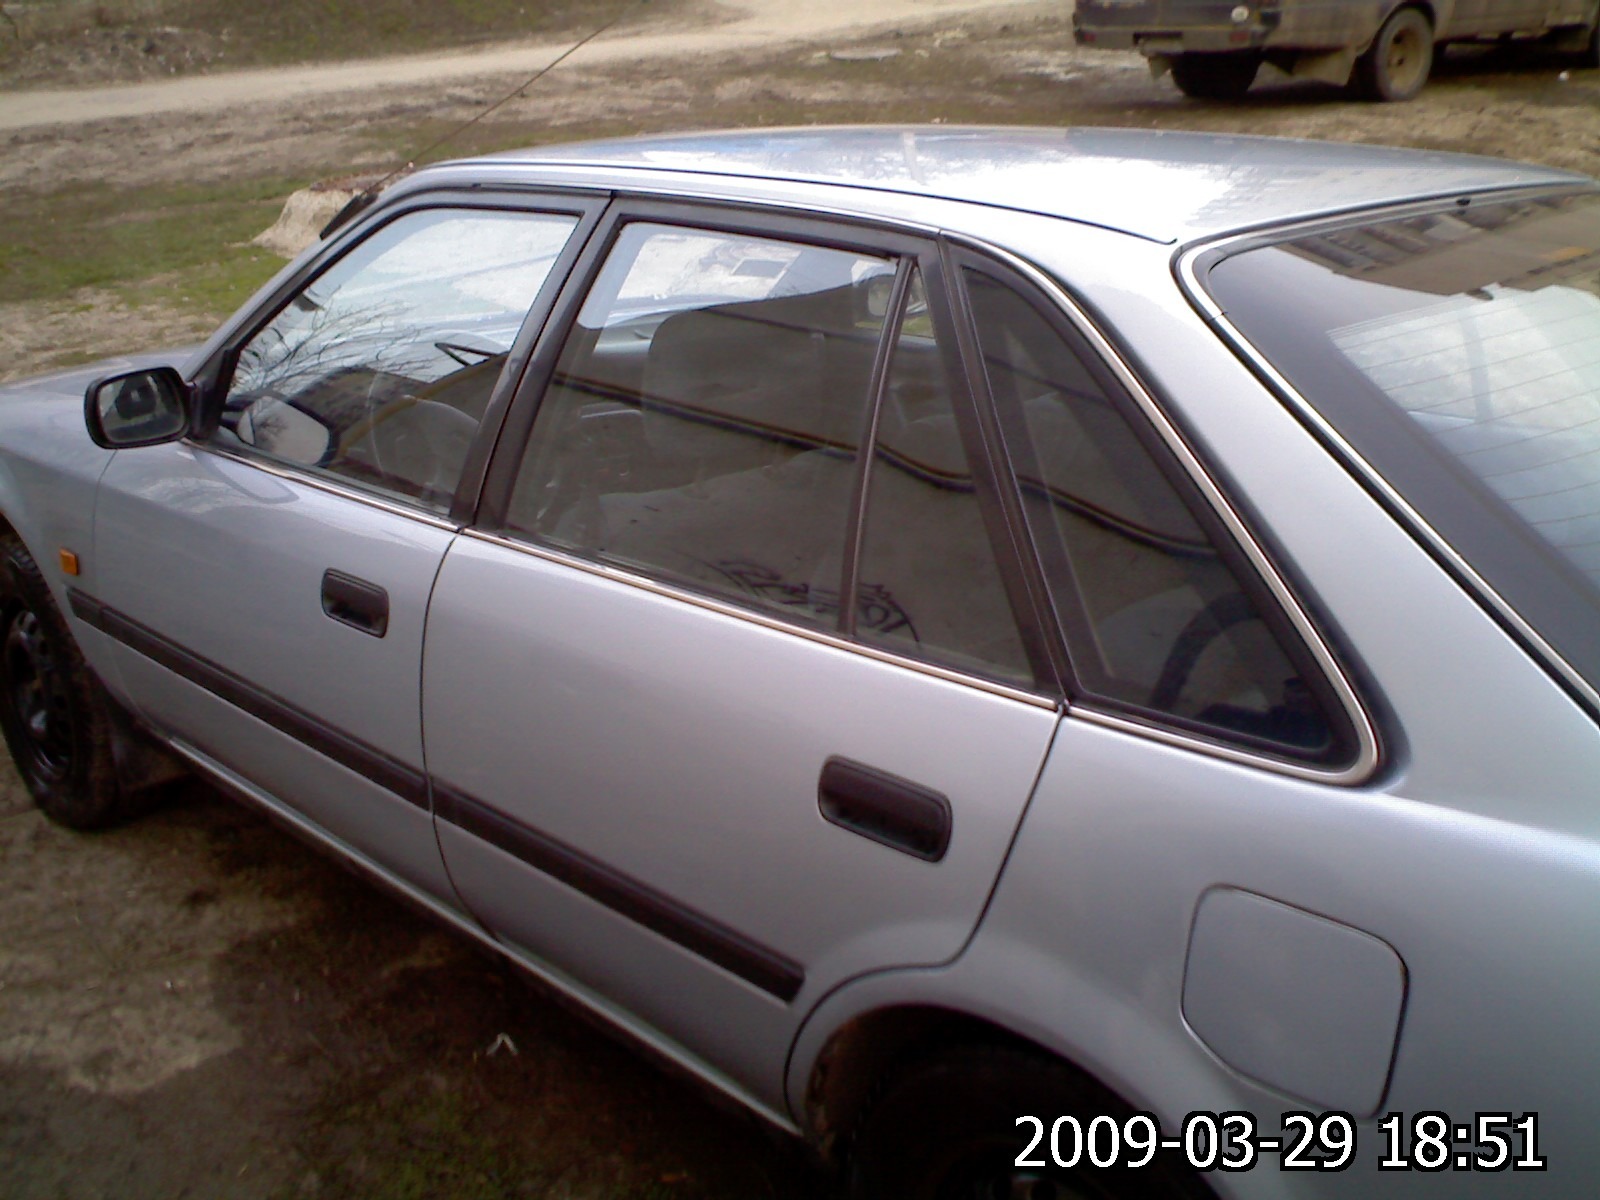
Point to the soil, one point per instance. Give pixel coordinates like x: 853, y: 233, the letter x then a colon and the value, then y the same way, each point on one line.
x: 196, y: 1005
x: 699, y: 65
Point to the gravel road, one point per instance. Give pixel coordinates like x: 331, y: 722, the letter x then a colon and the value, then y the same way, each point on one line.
x: 726, y: 28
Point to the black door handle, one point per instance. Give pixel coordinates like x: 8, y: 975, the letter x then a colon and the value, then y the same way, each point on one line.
x: 895, y: 812
x: 355, y: 602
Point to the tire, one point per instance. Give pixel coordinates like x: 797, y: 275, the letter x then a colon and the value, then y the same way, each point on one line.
x: 1397, y: 64
x: 1222, y: 76
x: 53, y: 712
x: 947, y: 1130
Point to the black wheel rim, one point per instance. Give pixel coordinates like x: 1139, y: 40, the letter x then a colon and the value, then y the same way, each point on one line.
x: 40, y: 707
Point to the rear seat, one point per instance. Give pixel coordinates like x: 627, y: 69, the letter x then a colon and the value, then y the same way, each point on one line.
x: 751, y: 415
x: 748, y: 385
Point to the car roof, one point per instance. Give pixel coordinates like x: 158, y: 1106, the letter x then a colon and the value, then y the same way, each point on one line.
x: 1163, y: 185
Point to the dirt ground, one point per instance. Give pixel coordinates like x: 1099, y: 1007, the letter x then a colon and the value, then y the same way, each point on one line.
x: 196, y: 1005
x: 697, y: 64
x: 693, y: 68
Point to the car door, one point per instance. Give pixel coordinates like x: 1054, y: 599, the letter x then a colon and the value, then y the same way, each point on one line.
x: 266, y: 585
x: 673, y: 767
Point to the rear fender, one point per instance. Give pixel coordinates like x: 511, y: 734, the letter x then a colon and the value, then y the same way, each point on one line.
x: 1153, y: 1067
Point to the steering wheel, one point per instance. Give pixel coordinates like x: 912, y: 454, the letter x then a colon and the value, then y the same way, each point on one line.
x: 1205, y: 627
x: 416, y: 446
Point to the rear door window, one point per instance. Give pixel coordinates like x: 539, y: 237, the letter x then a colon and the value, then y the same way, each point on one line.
x: 704, y: 421
x: 776, y: 424
x: 929, y: 582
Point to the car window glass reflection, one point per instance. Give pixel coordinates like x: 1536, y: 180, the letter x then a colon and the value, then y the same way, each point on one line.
x: 381, y: 368
x: 1458, y: 352
x: 929, y: 583
x: 1156, y: 618
x: 704, y: 417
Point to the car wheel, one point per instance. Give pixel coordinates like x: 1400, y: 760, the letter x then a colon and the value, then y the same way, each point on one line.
x: 1223, y: 76
x: 947, y: 1130
x: 1400, y: 58
x: 53, y: 712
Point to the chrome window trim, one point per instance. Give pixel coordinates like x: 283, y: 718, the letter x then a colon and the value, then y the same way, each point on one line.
x: 1186, y: 257
x: 849, y: 217
x: 1367, y: 749
x: 1169, y: 736
x: 257, y: 312
x: 1412, y: 520
x: 616, y: 574
x: 323, y: 484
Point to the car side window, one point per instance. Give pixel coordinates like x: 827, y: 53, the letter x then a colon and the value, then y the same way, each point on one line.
x: 1156, y: 619
x: 380, y: 369
x: 929, y: 584
x: 703, y: 421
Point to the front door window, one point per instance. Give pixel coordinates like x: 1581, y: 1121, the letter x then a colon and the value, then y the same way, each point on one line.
x: 379, y: 371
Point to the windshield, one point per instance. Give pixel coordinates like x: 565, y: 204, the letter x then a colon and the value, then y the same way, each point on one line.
x: 1459, y: 352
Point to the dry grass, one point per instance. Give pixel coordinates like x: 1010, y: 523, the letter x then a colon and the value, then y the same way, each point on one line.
x: 100, y: 40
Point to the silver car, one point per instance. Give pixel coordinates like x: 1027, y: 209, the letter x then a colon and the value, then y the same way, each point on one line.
x: 1051, y: 662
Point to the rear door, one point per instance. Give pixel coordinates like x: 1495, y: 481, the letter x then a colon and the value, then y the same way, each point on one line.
x: 730, y: 697
x: 266, y: 586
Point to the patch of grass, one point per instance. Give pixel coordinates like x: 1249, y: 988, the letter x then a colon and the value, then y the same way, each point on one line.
x: 215, y: 288
x: 191, y: 241
x: 420, y: 1143
x: 302, y: 30
x: 426, y: 1148
x: 227, y: 33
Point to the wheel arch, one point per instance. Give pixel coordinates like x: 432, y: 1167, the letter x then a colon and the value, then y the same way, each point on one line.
x: 7, y: 529
x: 13, y: 513
x: 20, y: 519
x: 1426, y: 7
x: 869, y: 1029
x: 14, y: 525
x: 142, y: 763
x: 868, y: 1048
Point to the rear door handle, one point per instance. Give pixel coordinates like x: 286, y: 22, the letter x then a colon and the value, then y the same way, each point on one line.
x: 884, y: 808
x: 355, y: 602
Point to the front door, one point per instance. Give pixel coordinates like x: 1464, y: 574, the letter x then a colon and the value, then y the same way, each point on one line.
x: 267, y: 586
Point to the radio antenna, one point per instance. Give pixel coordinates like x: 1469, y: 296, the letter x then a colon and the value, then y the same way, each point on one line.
x: 364, y: 198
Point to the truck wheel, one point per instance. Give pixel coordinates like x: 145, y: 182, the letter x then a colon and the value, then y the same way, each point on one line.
x: 1222, y: 76
x: 53, y: 713
x: 1400, y: 58
x: 946, y: 1129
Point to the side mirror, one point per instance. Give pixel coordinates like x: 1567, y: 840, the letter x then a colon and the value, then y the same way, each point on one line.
x: 139, y: 408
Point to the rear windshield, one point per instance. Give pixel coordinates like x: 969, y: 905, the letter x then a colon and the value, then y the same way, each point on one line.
x: 1459, y: 352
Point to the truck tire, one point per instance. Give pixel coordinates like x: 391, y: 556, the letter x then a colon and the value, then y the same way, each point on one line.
x: 1397, y: 64
x: 1222, y: 76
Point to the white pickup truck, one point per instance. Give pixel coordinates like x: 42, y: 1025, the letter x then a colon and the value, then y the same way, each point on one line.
x: 1382, y: 48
